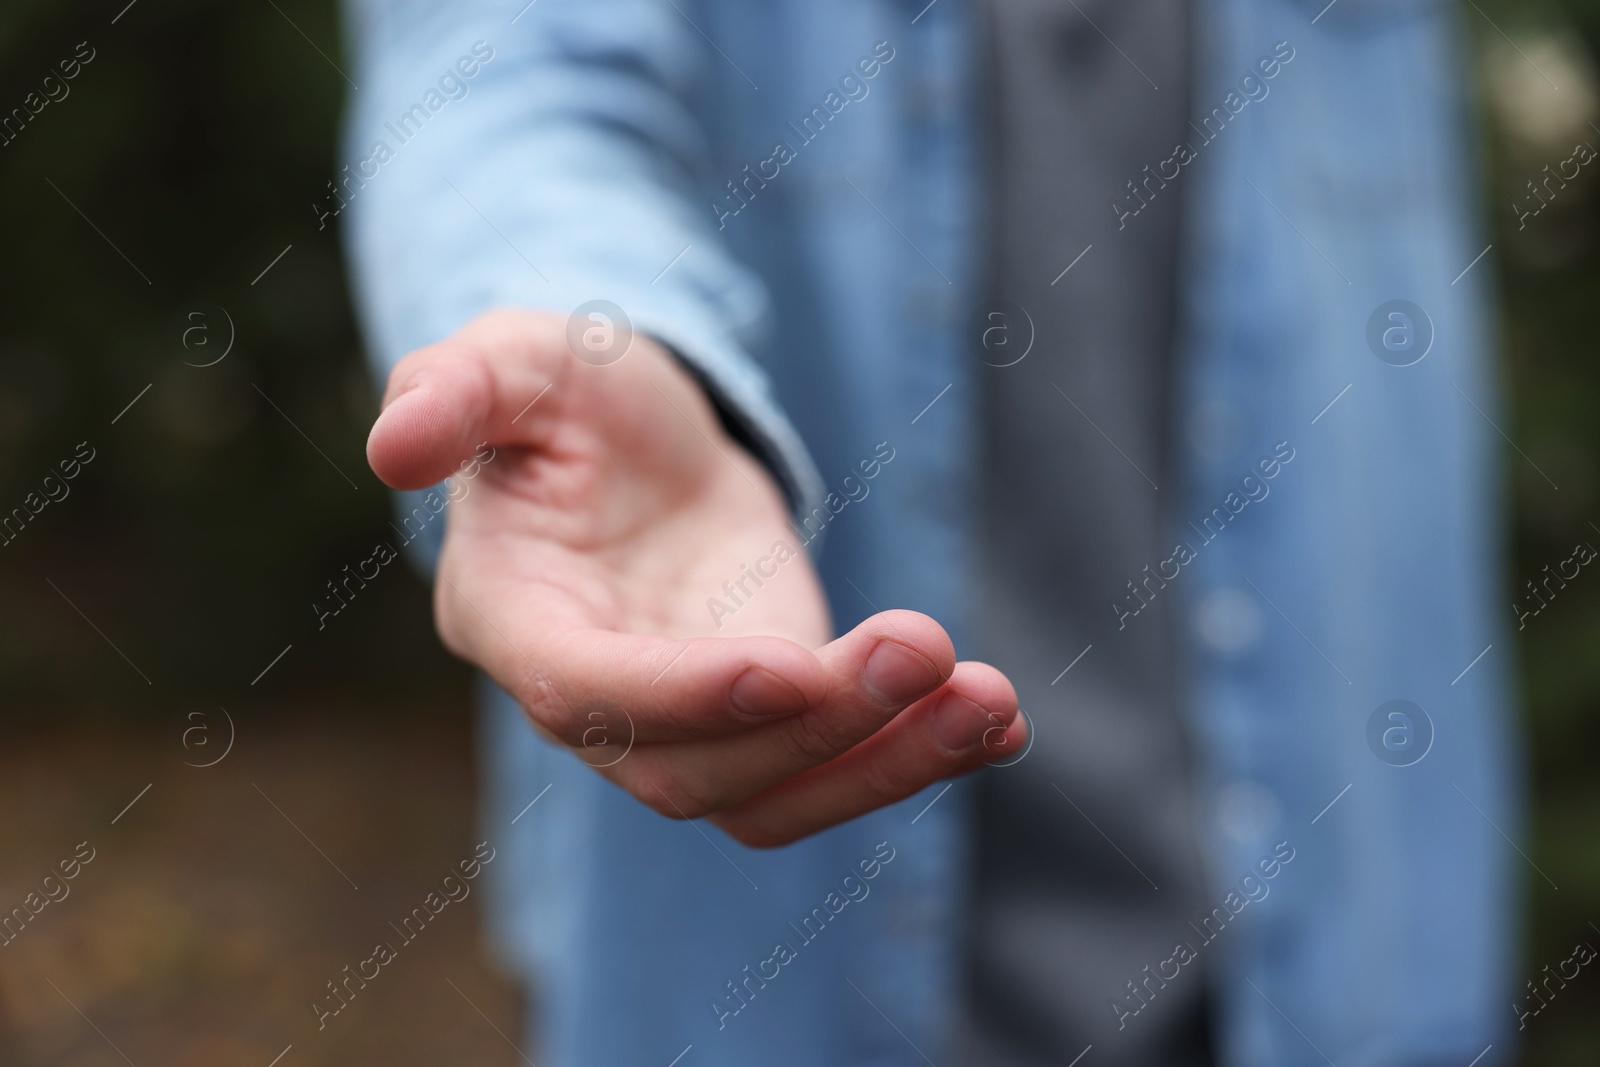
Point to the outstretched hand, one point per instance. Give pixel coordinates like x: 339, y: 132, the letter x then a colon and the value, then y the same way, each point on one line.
x: 577, y: 573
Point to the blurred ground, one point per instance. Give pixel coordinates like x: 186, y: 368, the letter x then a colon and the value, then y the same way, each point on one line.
x: 205, y: 924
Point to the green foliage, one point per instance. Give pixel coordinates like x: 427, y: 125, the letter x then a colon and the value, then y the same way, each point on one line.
x: 1549, y: 272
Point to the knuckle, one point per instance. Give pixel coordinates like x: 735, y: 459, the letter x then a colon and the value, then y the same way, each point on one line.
x: 889, y: 781
x: 810, y: 741
x: 538, y: 696
x: 546, y: 706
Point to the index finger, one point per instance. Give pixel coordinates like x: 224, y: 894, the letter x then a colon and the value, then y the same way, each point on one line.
x: 442, y: 400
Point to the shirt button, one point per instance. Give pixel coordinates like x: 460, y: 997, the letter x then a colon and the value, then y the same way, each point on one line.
x: 1228, y: 622
x: 1247, y: 811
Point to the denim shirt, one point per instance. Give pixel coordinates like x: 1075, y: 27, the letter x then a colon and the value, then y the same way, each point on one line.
x: 787, y: 195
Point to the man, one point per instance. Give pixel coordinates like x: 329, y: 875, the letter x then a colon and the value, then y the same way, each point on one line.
x: 978, y: 328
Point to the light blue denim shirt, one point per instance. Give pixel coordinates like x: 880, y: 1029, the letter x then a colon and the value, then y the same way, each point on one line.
x: 629, y: 150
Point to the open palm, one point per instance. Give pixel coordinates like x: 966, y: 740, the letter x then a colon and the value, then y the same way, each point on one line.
x: 577, y: 570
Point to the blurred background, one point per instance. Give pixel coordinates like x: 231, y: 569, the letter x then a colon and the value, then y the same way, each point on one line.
x: 172, y: 310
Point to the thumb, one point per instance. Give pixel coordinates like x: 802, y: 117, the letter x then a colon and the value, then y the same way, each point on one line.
x: 432, y: 422
x: 446, y: 399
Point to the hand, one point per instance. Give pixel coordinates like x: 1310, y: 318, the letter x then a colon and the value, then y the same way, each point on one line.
x: 577, y: 571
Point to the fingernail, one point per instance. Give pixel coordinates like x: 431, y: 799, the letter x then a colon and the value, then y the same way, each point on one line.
x: 958, y: 723
x: 894, y: 673
x: 761, y: 694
